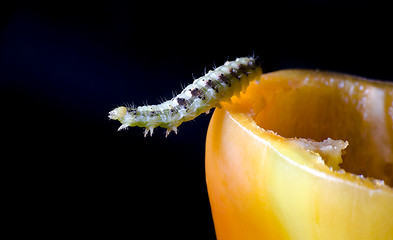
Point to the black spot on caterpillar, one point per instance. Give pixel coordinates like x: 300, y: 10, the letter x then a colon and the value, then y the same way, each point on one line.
x: 203, y: 94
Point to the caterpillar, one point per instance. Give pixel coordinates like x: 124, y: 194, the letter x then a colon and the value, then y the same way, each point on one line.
x: 203, y: 94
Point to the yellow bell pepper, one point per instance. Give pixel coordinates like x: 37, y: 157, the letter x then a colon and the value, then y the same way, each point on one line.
x: 298, y: 157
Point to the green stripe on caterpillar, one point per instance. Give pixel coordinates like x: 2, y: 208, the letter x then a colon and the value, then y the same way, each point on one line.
x: 203, y: 94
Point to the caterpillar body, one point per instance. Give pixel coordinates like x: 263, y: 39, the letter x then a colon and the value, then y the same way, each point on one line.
x: 203, y: 94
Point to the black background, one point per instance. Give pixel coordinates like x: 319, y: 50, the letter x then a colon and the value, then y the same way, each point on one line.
x: 65, y: 65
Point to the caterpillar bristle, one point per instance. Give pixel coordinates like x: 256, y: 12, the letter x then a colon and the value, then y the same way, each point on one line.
x: 174, y: 94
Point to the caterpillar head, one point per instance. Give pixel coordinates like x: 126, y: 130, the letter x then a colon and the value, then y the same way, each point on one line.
x: 125, y: 116
x: 117, y: 113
